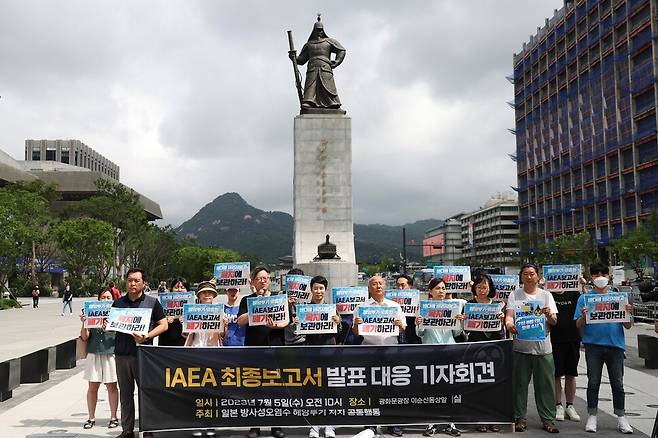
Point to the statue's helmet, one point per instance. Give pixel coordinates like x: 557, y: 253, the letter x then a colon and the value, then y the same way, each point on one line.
x: 318, y: 30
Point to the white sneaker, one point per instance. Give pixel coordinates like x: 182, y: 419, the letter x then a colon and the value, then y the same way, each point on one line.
x: 590, y: 426
x: 623, y: 426
x: 314, y: 432
x: 329, y: 432
x: 571, y: 414
x: 559, y: 412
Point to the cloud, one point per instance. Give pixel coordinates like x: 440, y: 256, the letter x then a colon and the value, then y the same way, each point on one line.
x: 196, y: 98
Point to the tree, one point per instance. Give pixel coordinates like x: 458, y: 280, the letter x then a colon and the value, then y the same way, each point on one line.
x: 634, y: 248
x: 152, y: 250
x: 119, y: 206
x: 570, y: 249
x: 197, y: 264
x: 24, y: 218
x: 86, y: 249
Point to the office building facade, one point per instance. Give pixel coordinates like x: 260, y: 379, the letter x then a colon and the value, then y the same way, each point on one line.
x: 490, y: 235
x: 585, y: 109
x: 442, y: 245
x: 72, y: 152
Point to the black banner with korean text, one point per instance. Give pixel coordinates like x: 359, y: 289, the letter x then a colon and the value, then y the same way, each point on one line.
x: 184, y: 388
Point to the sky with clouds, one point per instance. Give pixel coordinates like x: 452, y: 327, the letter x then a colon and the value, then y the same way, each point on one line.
x: 193, y: 99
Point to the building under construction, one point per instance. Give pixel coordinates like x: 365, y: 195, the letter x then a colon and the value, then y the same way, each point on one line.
x: 585, y: 106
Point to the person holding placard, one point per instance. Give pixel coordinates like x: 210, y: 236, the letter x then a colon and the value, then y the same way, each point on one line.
x: 234, y: 333
x: 436, y: 290
x: 604, y: 344
x: 125, y: 350
x: 319, y: 286
x: 483, y: 293
x: 290, y: 332
x: 260, y: 335
x: 174, y: 334
x: 206, y: 293
x: 410, y: 337
x: 532, y: 358
x: 565, y: 340
x: 100, y: 368
x: 376, y: 290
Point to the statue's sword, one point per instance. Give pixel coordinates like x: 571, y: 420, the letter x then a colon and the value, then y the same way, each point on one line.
x: 298, y: 76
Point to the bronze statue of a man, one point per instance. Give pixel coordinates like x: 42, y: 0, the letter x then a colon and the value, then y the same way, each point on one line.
x: 319, y: 88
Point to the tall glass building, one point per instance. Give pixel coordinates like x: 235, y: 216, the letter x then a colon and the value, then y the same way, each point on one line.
x: 585, y: 107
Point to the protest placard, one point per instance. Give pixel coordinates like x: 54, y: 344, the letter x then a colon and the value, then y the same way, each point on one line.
x: 274, y: 307
x: 96, y: 312
x: 440, y: 314
x: 347, y: 298
x: 505, y: 285
x: 482, y: 317
x: 299, y: 287
x: 316, y: 319
x: 378, y: 320
x: 608, y: 307
x: 202, y: 317
x: 129, y: 320
x: 530, y: 321
x: 562, y: 278
x: 408, y: 299
x: 232, y: 275
x: 457, y: 278
x: 173, y: 302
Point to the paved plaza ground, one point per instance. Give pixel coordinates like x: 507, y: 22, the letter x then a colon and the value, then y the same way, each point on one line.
x: 57, y: 408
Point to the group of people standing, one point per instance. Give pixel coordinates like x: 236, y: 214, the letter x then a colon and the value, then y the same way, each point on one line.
x: 113, y: 356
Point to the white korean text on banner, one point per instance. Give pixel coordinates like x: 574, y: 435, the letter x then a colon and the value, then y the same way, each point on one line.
x: 562, y: 278
x: 377, y: 320
x: 440, y: 314
x: 202, y: 317
x: 505, y: 285
x: 482, y: 317
x: 316, y: 319
x: 173, y: 302
x: 232, y: 275
x: 96, y: 312
x: 274, y: 307
x: 129, y: 320
x: 299, y: 287
x: 408, y: 299
x: 608, y: 307
x: 347, y: 298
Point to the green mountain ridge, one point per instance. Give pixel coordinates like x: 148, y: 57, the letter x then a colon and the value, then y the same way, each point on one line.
x: 230, y: 222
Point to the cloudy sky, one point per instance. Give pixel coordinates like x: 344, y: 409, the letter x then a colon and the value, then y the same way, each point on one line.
x: 193, y: 99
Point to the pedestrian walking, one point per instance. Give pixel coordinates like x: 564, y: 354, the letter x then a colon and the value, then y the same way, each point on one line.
x: 35, y: 297
x: 67, y: 300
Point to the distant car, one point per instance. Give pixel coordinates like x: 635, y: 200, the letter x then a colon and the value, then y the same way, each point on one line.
x: 5, y: 295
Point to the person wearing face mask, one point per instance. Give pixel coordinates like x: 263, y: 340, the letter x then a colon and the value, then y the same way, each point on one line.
x: 261, y: 335
x: 604, y: 344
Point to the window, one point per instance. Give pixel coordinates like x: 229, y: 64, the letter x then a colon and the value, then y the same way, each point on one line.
x: 65, y: 154
x: 613, y: 164
x: 51, y: 153
x: 36, y: 154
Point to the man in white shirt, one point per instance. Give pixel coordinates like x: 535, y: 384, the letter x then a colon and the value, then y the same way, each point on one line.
x: 376, y: 288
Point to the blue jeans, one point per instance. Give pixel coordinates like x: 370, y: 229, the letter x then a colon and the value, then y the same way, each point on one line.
x: 613, y: 358
x: 67, y: 304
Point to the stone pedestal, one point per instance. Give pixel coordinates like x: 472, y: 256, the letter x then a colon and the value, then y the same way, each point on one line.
x: 322, y: 189
x: 337, y: 272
